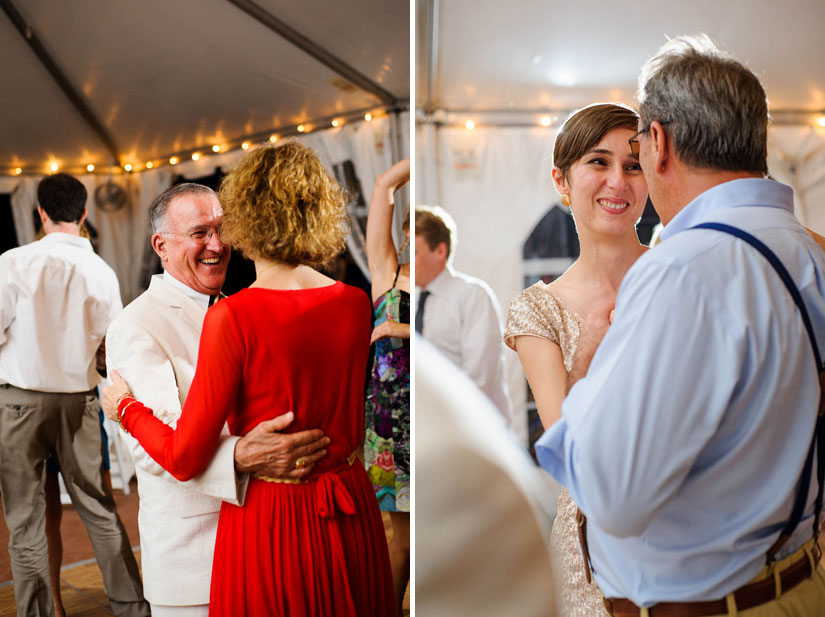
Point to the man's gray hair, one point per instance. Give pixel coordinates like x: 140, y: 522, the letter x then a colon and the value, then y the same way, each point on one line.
x: 157, y: 212
x: 713, y: 107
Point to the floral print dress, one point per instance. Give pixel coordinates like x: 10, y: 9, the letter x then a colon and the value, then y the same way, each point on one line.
x: 387, y: 425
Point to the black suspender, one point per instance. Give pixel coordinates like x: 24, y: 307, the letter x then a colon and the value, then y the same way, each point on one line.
x: 818, y: 439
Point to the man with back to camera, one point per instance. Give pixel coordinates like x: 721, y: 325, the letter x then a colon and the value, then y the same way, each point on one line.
x: 458, y: 313
x: 57, y: 297
x: 685, y: 443
x: 154, y: 345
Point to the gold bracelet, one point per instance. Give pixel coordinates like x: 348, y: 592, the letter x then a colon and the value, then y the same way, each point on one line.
x: 122, y: 414
x: 123, y: 396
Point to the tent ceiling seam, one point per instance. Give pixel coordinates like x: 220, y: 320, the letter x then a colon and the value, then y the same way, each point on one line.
x: 59, y: 77
x: 316, y: 51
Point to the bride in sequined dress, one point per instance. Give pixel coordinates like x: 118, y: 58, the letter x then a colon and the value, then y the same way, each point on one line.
x: 602, y: 184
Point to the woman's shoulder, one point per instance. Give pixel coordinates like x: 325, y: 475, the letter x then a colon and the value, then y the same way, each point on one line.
x: 539, y: 296
x: 536, y: 311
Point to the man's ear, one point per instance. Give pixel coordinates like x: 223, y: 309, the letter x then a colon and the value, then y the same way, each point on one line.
x: 661, y: 146
x: 159, y: 245
x: 441, y: 250
x: 83, y: 216
x: 43, y: 216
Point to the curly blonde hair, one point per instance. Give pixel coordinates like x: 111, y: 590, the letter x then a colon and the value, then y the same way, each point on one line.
x: 280, y: 203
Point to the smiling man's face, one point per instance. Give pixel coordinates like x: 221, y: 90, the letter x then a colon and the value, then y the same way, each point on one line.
x: 200, y: 264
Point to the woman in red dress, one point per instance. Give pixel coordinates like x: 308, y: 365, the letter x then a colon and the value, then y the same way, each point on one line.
x: 294, y: 340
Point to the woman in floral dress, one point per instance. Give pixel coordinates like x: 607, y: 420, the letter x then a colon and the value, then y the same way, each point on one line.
x: 387, y: 439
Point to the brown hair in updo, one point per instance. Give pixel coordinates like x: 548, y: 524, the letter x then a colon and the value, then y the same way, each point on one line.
x: 585, y: 128
x: 280, y: 203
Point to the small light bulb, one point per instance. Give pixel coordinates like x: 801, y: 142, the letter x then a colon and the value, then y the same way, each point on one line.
x: 18, y: 170
x: 54, y: 167
x: 173, y: 160
x: 245, y: 145
x: 90, y: 167
x: 195, y: 156
x: 128, y: 167
x: 821, y: 121
x: 367, y: 117
x: 300, y: 128
x: 149, y: 164
x: 470, y: 125
x: 216, y: 148
x: 335, y: 123
x: 273, y: 138
x: 546, y: 121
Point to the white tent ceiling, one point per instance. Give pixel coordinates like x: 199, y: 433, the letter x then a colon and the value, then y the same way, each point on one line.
x: 165, y: 77
x: 542, y: 55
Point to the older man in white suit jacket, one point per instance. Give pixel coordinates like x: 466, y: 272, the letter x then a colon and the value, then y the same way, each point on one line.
x: 153, y: 344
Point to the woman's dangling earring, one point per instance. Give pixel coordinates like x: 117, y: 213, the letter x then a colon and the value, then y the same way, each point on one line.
x: 565, y: 200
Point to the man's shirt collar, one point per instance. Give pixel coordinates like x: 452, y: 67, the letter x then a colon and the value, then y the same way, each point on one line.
x: 733, y: 194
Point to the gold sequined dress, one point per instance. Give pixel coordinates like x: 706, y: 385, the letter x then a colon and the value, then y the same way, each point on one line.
x: 537, y: 312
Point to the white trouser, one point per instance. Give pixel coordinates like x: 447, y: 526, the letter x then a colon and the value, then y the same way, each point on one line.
x: 164, y: 610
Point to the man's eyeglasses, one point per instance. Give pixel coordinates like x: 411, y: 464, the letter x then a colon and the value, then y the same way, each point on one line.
x: 201, y: 236
x: 634, y: 143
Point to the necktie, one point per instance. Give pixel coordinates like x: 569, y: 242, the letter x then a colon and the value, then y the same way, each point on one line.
x: 419, y: 312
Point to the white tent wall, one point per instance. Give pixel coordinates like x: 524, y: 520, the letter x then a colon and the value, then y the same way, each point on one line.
x: 125, y: 233
x: 496, y: 184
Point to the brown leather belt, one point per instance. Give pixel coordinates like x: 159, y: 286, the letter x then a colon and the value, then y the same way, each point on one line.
x: 749, y: 596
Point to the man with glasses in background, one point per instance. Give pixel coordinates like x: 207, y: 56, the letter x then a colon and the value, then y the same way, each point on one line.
x: 689, y: 443
x: 153, y: 344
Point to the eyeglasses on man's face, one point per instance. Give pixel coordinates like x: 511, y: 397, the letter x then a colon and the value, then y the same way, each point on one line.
x: 201, y: 236
x: 634, y: 143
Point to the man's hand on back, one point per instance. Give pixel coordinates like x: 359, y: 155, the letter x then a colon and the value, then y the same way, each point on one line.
x: 267, y: 451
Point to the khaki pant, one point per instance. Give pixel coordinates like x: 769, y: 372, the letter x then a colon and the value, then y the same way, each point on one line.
x: 805, y: 600
x: 34, y: 425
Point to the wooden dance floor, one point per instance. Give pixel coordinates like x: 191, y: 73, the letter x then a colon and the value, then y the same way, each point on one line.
x: 81, y: 583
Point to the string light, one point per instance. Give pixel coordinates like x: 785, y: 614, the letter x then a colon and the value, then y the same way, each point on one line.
x: 245, y: 145
x: 301, y: 128
x: 470, y: 125
x: 173, y: 160
x: 546, y: 121
x: 128, y: 167
x: 18, y: 170
x: 821, y: 121
x: 273, y: 138
x: 216, y: 148
x: 54, y: 167
x: 196, y: 156
x: 90, y: 167
x: 149, y: 164
x: 335, y: 123
x: 367, y: 117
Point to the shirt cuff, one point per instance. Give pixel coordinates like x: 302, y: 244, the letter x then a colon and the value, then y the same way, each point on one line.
x: 550, y: 451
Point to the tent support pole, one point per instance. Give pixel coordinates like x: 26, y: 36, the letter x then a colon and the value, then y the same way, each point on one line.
x: 314, y: 50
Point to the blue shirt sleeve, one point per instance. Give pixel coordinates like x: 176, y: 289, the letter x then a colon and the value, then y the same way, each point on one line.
x: 632, y: 429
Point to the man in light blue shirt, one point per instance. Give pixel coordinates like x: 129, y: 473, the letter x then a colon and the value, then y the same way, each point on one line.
x: 684, y: 443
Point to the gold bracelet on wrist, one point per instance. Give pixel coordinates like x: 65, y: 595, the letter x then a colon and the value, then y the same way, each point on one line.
x: 122, y: 414
x: 126, y: 394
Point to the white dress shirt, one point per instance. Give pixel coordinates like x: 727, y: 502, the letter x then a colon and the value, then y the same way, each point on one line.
x: 684, y: 443
x: 57, y: 297
x: 462, y: 319
x: 201, y: 299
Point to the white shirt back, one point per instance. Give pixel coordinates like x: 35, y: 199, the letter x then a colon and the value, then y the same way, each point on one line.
x: 57, y: 298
